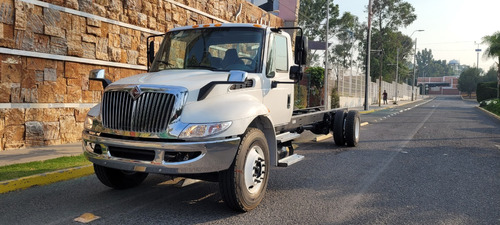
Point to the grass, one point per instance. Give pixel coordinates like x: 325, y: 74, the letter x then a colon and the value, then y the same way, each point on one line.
x: 32, y: 168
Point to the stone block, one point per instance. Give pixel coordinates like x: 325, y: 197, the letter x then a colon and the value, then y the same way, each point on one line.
x: 94, y: 30
x: 41, y: 43
x: 11, y: 69
x: 89, y: 50
x: 80, y: 114
x: 34, y: 114
x: 14, y: 136
x: 115, y: 54
x: 114, y: 29
x: 49, y: 74
x: 29, y: 79
x: 93, y: 22
x: 7, y: 43
x: 14, y: 117
x: 7, y: 10
x: 99, y: 10
x: 151, y: 22
x: 24, y: 40
x: 69, y: 131
x: 115, y: 7
x: 132, y: 57
x: 58, y: 46
x: 2, y: 126
x: 87, y: 96
x: 126, y: 41
x: 15, y: 93
x: 72, y: 70
x: 73, y: 94
x: 75, y: 48
x: 7, y: 31
x: 54, y: 31
x: 35, y: 23
x: 142, y: 61
x: 5, y: 89
x: 86, y: 6
x: 20, y: 15
x: 114, y: 40
x: 72, y: 4
x: 142, y: 19
x: 34, y: 130
x: 51, y: 17
x: 50, y: 130
x: 89, y: 38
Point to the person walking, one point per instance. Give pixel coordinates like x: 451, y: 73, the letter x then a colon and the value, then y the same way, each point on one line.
x: 385, y: 97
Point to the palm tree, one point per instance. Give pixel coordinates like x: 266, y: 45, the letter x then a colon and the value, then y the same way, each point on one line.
x: 493, y: 51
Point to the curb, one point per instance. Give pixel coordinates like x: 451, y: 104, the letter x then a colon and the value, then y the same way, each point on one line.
x: 45, y: 178
x: 489, y: 113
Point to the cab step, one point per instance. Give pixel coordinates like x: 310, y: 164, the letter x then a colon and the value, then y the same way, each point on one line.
x: 290, y: 160
x: 287, y: 136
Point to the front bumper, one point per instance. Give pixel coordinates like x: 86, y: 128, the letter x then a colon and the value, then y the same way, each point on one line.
x: 211, y: 156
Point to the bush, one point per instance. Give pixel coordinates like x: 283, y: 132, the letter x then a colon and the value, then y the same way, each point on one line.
x: 486, y: 90
x: 492, y: 105
x: 300, y: 97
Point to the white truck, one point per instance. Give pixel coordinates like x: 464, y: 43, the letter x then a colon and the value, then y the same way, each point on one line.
x: 216, y: 104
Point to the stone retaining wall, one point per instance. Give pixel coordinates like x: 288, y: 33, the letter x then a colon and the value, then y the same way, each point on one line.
x: 44, y: 101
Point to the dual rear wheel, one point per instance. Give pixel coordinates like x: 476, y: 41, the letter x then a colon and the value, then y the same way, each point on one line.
x: 346, y: 125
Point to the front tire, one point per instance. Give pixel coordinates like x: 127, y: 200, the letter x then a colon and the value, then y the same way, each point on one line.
x: 118, y: 179
x: 244, y: 184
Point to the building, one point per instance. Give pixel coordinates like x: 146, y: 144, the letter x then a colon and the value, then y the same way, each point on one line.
x: 447, y: 85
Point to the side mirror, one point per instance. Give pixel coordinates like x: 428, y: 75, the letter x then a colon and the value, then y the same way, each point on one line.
x: 151, y: 52
x: 237, y: 76
x: 301, y: 50
x: 99, y: 75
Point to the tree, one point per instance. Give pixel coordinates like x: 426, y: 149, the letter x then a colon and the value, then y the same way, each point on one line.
x: 491, y: 75
x: 467, y: 82
x: 426, y: 65
x: 388, y: 17
x: 312, y: 20
x: 493, y: 51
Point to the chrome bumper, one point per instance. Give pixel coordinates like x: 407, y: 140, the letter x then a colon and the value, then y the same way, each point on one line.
x: 215, y: 155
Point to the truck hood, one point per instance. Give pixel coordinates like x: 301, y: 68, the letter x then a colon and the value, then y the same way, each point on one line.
x: 190, y: 79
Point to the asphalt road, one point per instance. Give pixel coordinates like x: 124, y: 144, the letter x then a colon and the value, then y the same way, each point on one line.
x: 435, y: 163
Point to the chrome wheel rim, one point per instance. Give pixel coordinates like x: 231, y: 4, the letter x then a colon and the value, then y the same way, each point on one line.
x: 356, y: 128
x: 255, y: 169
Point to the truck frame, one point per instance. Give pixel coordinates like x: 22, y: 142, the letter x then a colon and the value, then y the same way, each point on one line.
x: 202, y: 112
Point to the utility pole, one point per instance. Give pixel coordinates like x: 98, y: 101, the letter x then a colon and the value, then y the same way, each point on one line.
x: 368, y: 51
x: 478, y: 50
x: 414, y: 65
x: 397, y: 77
x: 325, y: 83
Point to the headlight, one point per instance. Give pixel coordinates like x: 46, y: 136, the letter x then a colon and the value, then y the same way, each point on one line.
x: 89, y: 121
x: 203, y: 130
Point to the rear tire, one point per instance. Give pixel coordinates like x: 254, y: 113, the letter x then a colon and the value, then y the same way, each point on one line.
x: 352, y: 124
x: 244, y: 184
x: 338, y: 127
x: 118, y: 179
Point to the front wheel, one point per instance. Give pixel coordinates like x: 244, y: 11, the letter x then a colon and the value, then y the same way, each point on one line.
x: 352, y: 124
x: 244, y: 184
x: 118, y: 179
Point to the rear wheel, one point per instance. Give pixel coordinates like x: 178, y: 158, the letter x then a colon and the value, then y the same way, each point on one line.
x: 244, y: 184
x: 352, y: 124
x: 338, y: 127
x: 118, y: 179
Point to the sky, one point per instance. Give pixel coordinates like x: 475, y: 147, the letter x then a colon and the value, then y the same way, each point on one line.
x: 451, y: 27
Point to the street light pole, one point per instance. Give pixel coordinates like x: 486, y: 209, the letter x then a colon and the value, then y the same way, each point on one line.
x: 397, y: 77
x: 325, y: 83
x: 478, y: 50
x: 414, y: 65
x: 368, y: 48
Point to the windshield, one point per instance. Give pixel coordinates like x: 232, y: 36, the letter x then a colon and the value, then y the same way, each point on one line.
x: 218, y: 49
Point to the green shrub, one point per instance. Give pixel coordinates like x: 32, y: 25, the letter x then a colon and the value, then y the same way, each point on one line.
x: 300, y: 96
x: 492, y: 105
x: 486, y: 90
x: 335, y: 101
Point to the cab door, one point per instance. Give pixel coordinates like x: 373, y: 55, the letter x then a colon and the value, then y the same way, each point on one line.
x: 279, y: 99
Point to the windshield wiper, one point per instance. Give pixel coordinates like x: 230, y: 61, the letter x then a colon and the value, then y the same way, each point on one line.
x: 201, y: 67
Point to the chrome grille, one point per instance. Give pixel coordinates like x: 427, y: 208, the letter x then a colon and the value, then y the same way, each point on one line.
x: 150, y: 112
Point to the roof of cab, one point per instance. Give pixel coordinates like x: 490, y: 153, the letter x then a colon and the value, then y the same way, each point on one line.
x: 220, y: 25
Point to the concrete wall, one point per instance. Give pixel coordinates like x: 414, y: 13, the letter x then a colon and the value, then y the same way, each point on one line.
x: 47, y: 49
